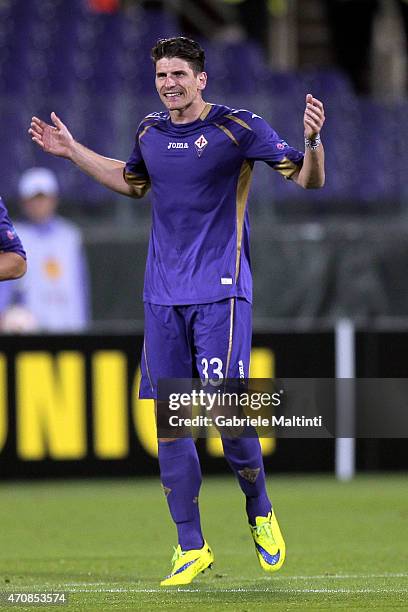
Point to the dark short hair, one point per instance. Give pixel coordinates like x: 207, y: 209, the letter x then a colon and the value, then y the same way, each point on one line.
x: 182, y: 47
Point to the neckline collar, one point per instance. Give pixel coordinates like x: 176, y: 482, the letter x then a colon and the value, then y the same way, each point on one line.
x: 203, y: 115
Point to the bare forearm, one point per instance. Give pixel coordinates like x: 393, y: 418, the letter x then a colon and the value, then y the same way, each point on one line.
x: 107, y: 171
x: 12, y: 266
x: 312, y: 174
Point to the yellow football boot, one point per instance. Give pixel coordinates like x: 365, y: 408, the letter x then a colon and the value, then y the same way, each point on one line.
x: 269, y: 543
x: 188, y: 564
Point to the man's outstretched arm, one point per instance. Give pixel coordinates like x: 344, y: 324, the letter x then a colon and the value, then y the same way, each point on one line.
x: 312, y: 175
x: 58, y: 140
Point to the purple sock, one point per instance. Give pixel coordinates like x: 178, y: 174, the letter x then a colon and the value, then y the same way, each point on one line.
x: 245, y: 458
x: 180, y: 475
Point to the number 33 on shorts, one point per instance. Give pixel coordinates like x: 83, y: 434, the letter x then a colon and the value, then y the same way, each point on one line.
x: 212, y: 341
x: 212, y: 369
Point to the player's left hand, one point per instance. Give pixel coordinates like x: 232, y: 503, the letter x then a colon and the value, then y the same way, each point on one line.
x: 313, y: 119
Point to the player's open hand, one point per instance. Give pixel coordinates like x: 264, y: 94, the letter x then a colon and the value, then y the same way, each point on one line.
x: 55, y: 139
x: 313, y: 118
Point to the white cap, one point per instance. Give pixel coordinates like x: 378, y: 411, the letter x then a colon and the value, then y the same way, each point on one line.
x: 36, y: 181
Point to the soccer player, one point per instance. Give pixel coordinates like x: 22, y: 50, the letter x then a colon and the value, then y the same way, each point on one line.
x: 12, y: 255
x: 198, y: 158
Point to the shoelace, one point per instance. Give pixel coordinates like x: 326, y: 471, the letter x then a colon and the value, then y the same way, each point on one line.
x: 177, y: 554
x: 264, y: 529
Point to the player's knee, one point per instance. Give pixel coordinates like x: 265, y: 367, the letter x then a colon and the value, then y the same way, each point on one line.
x: 167, y: 439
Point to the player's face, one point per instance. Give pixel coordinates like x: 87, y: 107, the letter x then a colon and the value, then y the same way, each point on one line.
x: 177, y: 84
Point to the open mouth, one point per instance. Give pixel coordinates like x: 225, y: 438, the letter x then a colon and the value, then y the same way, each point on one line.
x: 173, y: 95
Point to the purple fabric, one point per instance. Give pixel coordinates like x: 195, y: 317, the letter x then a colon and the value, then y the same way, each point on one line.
x: 200, y: 174
x: 245, y: 458
x: 179, y: 338
x: 9, y: 240
x: 180, y: 475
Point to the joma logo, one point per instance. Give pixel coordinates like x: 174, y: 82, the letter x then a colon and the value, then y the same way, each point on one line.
x: 177, y: 145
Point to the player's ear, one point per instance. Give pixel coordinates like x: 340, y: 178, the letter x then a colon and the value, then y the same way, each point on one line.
x: 202, y: 80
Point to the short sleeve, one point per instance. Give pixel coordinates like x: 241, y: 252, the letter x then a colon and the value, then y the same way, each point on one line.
x: 259, y: 141
x: 135, y: 172
x: 9, y: 240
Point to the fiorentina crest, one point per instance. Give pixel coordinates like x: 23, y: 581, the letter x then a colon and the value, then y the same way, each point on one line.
x: 200, y: 144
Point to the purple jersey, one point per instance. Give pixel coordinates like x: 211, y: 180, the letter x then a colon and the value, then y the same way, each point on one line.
x: 9, y: 241
x: 200, y: 175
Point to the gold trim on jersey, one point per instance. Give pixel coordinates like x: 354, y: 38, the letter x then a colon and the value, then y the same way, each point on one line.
x: 143, y: 132
x: 148, y: 118
x: 231, y: 331
x: 140, y: 184
x: 228, y: 133
x: 286, y: 167
x: 205, y: 111
x: 239, y: 121
x: 244, y: 182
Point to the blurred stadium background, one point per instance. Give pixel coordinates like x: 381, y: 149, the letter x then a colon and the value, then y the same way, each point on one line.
x: 318, y: 256
x: 345, y: 245
x: 68, y: 405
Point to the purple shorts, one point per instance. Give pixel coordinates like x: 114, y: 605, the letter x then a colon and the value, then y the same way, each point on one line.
x: 197, y: 341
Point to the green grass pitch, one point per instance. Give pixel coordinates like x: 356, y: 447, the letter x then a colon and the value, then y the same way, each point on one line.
x: 108, y: 543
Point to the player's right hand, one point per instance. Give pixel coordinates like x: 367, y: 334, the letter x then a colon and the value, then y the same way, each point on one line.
x: 55, y: 139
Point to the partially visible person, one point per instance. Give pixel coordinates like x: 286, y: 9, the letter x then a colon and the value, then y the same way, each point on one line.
x: 12, y: 264
x: 54, y: 292
x: 12, y: 255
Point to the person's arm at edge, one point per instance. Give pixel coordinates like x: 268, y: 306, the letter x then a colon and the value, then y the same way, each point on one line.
x: 12, y: 266
x: 312, y: 174
x: 58, y: 140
